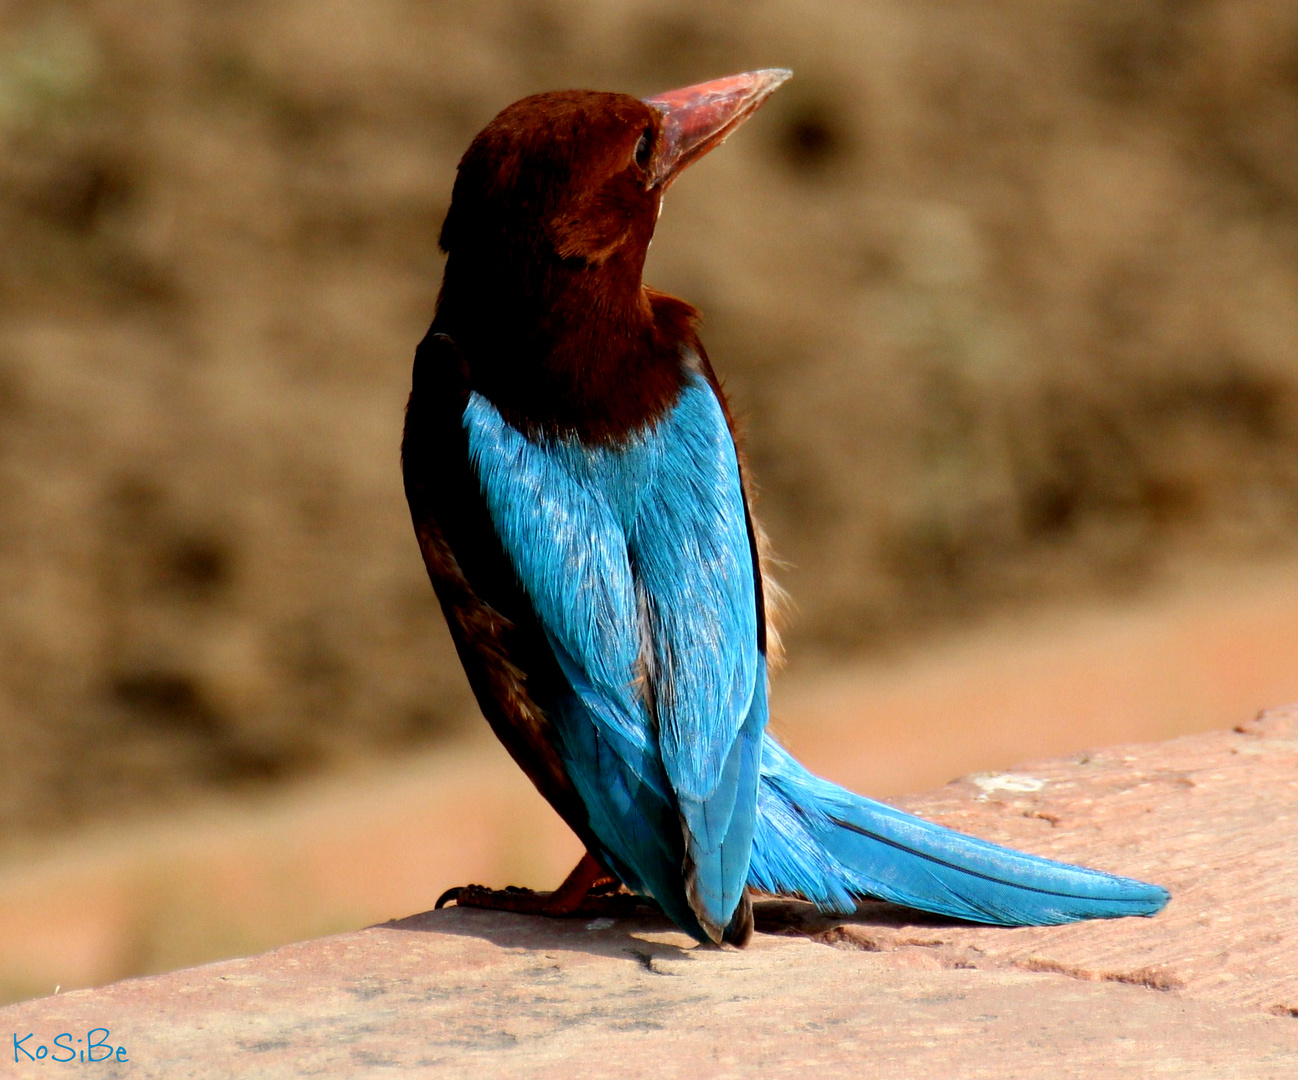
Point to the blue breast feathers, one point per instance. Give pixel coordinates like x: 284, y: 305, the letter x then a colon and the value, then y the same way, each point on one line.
x: 637, y: 562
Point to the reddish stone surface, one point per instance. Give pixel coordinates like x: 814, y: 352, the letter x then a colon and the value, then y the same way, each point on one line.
x: 1214, y: 818
x: 1205, y: 989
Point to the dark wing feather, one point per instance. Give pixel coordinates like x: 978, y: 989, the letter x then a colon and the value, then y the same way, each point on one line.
x: 509, y: 664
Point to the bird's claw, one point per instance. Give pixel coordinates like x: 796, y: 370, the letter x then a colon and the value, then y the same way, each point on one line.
x: 452, y: 894
x: 478, y: 895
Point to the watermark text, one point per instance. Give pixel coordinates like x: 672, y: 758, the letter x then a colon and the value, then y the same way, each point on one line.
x: 66, y: 1048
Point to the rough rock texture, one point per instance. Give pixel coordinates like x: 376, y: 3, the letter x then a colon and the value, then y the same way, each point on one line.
x: 1204, y: 989
x: 1213, y: 818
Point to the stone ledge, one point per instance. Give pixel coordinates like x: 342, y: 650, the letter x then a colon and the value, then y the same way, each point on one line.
x: 1207, y: 988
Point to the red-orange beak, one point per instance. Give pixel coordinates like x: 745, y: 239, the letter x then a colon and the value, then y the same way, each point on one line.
x: 697, y: 118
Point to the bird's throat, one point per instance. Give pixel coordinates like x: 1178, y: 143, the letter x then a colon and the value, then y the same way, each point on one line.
x: 573, y: 354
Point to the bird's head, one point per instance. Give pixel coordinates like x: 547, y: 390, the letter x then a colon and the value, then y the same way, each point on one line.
x: 551, y: 217
x: 579, y: 175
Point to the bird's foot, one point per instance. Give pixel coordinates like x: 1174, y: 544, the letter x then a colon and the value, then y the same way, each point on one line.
x: 588, y: 892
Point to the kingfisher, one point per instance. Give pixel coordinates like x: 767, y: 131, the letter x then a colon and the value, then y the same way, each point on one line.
x: 585, y: 518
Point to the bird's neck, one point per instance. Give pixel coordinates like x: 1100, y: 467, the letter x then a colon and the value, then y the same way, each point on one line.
x: 570, y: 352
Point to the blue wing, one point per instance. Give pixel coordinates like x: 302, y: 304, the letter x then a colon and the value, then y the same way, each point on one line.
x: 637, y: 561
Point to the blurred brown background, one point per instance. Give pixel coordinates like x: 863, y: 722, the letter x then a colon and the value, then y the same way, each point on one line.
x: 1006, y: 292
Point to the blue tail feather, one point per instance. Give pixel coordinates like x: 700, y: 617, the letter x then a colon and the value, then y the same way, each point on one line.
x: 817, y: 840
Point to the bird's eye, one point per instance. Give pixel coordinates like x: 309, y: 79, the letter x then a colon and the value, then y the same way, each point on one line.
x: 644, y: 149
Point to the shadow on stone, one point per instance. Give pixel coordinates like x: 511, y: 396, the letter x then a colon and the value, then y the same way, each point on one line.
x: 799, y: 917
x: 648, y: 938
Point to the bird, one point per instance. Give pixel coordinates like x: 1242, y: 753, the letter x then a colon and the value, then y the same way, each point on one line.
x: 584, y: 515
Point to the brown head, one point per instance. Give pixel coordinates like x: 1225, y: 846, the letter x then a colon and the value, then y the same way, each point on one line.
x: 551, y: 217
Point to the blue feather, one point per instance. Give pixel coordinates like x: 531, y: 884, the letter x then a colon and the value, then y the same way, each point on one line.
x: 816, y: 840
x: 637, y: 561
